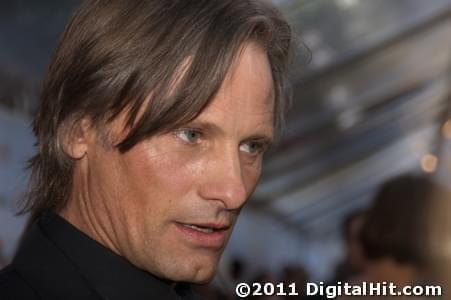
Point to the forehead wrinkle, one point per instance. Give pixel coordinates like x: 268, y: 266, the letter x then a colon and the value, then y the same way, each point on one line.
x: 227, y: 93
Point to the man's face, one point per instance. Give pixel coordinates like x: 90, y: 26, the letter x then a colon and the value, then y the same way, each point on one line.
x: 168, y: 205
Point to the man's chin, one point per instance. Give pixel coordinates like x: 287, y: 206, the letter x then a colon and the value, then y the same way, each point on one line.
x: 204, y: 279
x: 195, y: 273
x: 201, y: 276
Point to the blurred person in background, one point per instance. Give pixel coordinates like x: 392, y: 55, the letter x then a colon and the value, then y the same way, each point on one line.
x: 399, y: 234
x: 354, y: 261
x: 151, y: 130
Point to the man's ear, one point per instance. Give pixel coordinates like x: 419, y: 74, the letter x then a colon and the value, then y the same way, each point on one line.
x: 76, y: 138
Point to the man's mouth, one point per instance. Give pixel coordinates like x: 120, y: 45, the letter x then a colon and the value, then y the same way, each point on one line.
x: 205, y: 234
x: 201, y: 229
x: 206, y: 228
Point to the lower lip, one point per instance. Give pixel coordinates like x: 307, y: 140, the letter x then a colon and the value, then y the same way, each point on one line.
x: 215, y: 239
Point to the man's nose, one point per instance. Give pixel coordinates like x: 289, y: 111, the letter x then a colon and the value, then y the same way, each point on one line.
x: 224, y: 181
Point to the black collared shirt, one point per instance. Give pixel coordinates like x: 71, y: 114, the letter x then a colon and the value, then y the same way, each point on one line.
x: 57, y: 261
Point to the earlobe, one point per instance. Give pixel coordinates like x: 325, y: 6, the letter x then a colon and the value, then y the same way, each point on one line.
x: 75, y: 139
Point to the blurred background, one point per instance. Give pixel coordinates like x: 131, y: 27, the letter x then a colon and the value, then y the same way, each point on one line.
x: 374, y: 102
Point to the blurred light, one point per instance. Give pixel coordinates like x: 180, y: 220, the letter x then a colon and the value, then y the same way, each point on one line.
x: 446, y: 129
x: 349, y: 118
x: 429, y: 163
x: 338, y: 96
x: 347, y: 3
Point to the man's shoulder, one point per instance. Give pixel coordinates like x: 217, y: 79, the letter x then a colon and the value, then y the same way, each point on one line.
x: 40, y: 270
x: 13, y: 286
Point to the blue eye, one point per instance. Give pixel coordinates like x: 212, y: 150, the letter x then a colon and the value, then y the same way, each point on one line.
x: 189, y: 136
x: 252, y: 147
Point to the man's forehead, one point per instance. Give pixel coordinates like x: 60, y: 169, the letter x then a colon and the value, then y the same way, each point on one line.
x: 250, y: 72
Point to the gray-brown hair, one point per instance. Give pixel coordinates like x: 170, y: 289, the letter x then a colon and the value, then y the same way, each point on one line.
x: 115, y: 53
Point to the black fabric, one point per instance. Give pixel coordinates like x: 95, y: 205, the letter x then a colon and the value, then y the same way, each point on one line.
x: 57, y: 261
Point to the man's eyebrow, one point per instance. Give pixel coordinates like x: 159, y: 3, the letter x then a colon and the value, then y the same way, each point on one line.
x: 266, y: 137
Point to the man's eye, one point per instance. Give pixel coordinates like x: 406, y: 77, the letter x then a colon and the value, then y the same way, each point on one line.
x: 252, y: 147
x: 189, y: 136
